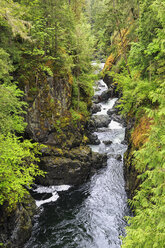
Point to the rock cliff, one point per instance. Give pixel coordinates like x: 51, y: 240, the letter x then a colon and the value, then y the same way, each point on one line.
x: 16, y: 225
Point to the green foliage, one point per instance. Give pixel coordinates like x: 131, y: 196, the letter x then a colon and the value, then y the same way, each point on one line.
x: 136, y: 95
x: 11, y: 109
x: 109, y: 17
x: 143, y: 97
x: 18, y: 167
x: 76, y: 116
x: 5, y: 66
x: 81, y: 95
x: 147, y: 226
x: 144, y: 94
x: 38, y: 39
x: 17, y: 158
x: 12, y: 13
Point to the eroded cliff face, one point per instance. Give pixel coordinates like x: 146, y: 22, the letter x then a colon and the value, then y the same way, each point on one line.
x: 49, y: 104
x: 66, y: 158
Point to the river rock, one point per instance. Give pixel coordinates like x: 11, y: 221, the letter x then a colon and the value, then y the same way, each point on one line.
x: 106, y: 95
x: 107, y: 142
x: 95, y: 108
x: 93, y: 139
x: 98, y: 160
x: 96, y: 99
x: 99, y: 84
x: 124, y: 142
x: 118, y: 157
x: 108, y: 80
x: 111, y: 85
x: 110, y: 112
x: 119, y: 118
x: 114, y: 110
x: 100, y: 121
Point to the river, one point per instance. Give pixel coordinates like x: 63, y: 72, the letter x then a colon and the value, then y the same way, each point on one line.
x: 92, y: 215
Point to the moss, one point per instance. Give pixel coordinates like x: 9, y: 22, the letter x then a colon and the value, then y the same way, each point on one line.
x: 109, y: 62
x: 70, y: 78
x: 137, y: 137
x: 85, y: 139
x: 141, y: 132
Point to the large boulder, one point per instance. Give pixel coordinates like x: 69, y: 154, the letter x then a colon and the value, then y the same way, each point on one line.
x: 100, y: 121
x: 107, y: 142
x: 105, y: 95
x: 72, y: 167
x: 110, y: 112
x: 95, y: 108
x: 118, y: 118
x: 93, y: 139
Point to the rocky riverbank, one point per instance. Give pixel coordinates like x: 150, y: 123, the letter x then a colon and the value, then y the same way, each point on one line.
x: 66, y: 159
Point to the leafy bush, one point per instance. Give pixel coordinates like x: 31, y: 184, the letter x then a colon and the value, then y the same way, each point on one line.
x: 18, y: 167
x: 18, y: 161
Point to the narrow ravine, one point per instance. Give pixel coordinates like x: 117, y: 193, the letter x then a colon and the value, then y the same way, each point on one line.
x: 90, y: 216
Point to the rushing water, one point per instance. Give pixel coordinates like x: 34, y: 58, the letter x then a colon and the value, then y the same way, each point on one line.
x: 92, y: 215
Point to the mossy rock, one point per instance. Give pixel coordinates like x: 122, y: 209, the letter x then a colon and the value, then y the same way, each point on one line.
x: 16, y: 225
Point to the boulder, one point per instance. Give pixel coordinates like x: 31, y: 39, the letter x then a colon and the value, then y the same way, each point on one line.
x: 111, y: 85
x: 106, y: 95
x: 71, y: 167
x: 95, y: 108
x: 62, y: 170
x: 119, y: 118
x: 110, y: 112
x: 100, y: 120
x: 108, y: 80
x: 118, y: 157
x: 124, y: 142
x: 93, y: 139
x: 107, y: 142
x: 96, y: 99
x: 98, y: 161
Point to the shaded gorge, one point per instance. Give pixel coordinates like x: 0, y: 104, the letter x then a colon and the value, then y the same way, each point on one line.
x: 91, y: 215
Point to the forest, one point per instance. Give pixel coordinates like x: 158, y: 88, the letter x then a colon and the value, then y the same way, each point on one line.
x: 43, y: 39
